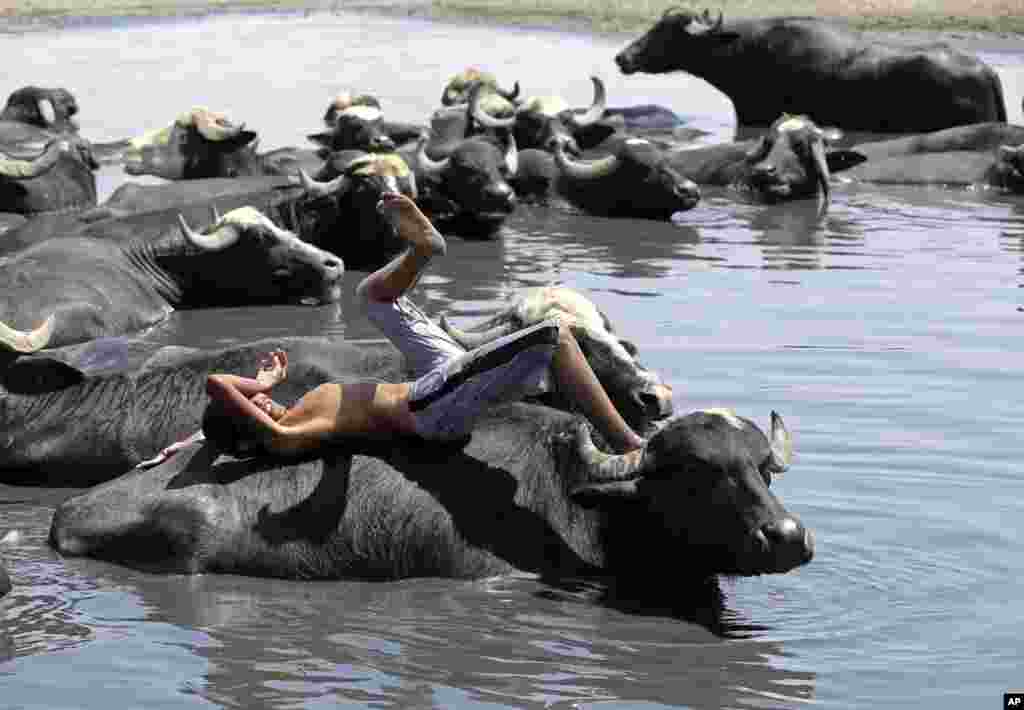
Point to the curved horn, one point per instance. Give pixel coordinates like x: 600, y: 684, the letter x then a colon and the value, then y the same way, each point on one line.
x: 584, y: 171
x: 221, y: 237
x: 430, y: 168
x: 46, y: 111
x: 33, y: 167
x: 604, y: 467
x: 474, y: 340
x: 316, y: 189
x: 213, y: 127
x: 781, y: 446
x: 509, y: 96
x: 713, y: 26
x: 821, y: 168
x: 21, y: 341
x: 512, y: 156
x: 597, y: 108
x: 480, y: 116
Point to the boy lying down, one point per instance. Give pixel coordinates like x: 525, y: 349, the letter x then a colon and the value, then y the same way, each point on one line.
x: 453, y: 389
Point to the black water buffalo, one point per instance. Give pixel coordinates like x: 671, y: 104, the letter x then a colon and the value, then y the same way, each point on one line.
x: 984, y: 154
x: 529, y: 493
x: 465, y: 189
x: 776, y: 65
x: 790, y: 160
x: 58, y: 178
x: 205, y: 144
x: 640, y: 395
x: 358, y: 123
x: 50, y: 109
x: 635, y: 180
x: 64, y: 291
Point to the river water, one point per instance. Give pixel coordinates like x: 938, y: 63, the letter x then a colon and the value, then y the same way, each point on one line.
x: 886, y: 333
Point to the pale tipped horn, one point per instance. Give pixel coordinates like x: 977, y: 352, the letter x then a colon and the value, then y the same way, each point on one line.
x: 821, y: 168
x: 606, y: 468
x: 221, y: 237
x: 26, y: 169
x: 472, y: 340
x: 213, y: 127
x: 597, y: 108
x: 512, y: 156
x: 781, y: 446
x: 430, y: 168
x: 482, y: 117
x: 21, y: 341
x: 581, y: 170
x: 214, y: 214
x: 47, y: 111
x: 509, y: 96
x: 317, y: 189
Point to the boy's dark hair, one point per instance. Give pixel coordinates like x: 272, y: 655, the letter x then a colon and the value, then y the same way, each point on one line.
x: 230, y: 431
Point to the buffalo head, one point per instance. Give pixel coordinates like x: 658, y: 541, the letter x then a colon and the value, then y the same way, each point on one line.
x: 1010, y: 167
x: 704, y: 477
x: 199, y: 144
x: 357, y: 127
x: 677, y: 36
x: 59, y: 177
x: 635, y: 180
x: 245, y: 259
x: 49, y: 109
x: 344, y: 101
x: 456, y: 91
x: 791, y: 159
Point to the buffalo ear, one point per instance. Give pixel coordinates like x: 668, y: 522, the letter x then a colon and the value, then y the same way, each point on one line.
x: 588, y: 137
x: 594, y: 495
x: 243, y: 138
x: 843, y: 159
x: 36, y: 375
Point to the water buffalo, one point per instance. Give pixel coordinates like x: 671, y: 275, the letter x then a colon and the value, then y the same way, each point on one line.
x: 358, y: 124
x: 829, y: 72
x: 58, y: 178
x: 465, y: 191
x: 50, y: 109
x: 343, y: 101
x: 635, y: 180
x: 640, y: 395
x: 205, y: 144
x: 528, y: 493
x: 63, y: 291
x: 984, y: 154
x: 456, y: 91
x: 790, y: 160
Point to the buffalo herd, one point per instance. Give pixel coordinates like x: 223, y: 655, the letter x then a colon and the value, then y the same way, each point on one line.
x: 86, y: 401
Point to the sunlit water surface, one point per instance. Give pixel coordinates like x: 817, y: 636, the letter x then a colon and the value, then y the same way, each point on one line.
x: 886, y: 333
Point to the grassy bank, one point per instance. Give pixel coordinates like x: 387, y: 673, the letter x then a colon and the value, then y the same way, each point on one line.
x: 1001, y: 16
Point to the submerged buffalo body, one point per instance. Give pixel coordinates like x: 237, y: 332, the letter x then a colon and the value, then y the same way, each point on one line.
x: 986, y: 154
x: 529, y: 493
x: 64, y: 291
x: 836, y: 76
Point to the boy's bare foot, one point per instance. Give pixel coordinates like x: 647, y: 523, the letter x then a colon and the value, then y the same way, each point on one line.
x: 411, y: 224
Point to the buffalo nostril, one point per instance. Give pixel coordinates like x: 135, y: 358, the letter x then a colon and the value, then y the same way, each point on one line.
x: 783, y: 532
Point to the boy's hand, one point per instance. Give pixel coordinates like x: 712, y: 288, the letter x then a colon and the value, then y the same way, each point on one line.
x: 273, y: 368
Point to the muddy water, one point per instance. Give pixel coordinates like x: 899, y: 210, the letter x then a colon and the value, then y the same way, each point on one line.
x: 887, y: 333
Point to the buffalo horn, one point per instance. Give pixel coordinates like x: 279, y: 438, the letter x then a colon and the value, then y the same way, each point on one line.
x: 606, y: 468
x: 26, y: 169
x: 21, y: 341
x: 481, y: 116
x: 713, y: 26
x: 596, y: 110
x: 510, y: 96
x: 214, y: 214
x: 781, y: 446
x: 213, y: 127
x: 512, y: 156
x: 581, y: 170
x: 471, y: 340
x: 821, y: 167
x: 47, y: 112
x: 220, y: 238
x: 430, y: 168
x: 318, y: 189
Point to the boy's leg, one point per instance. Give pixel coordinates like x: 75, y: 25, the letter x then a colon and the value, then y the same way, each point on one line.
x: 394, y: 279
